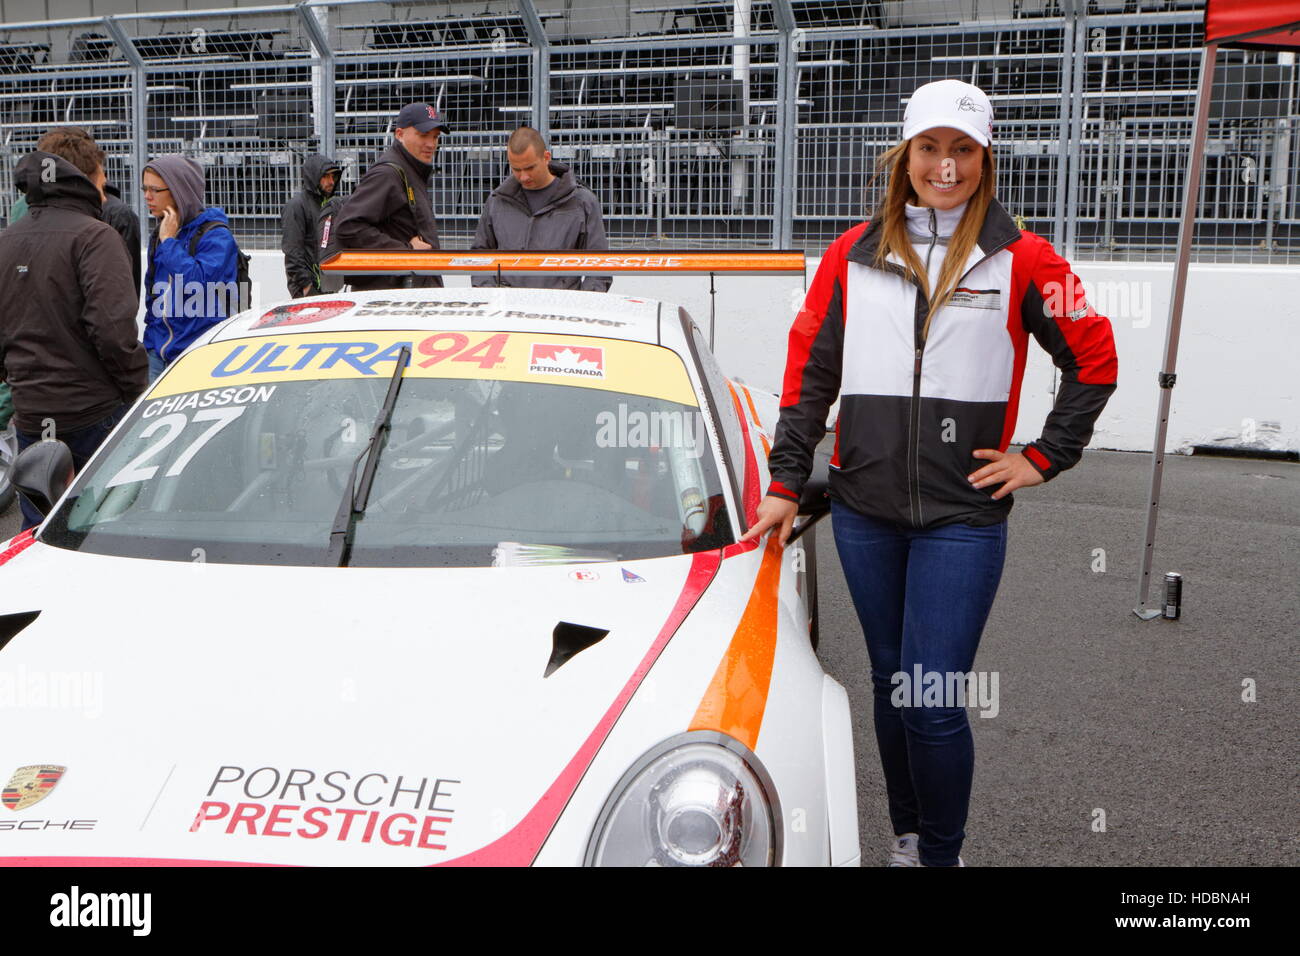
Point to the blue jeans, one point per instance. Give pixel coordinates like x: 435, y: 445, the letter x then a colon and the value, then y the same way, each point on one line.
x: 156, y: 365
x: 922, y: 597
x: 82, y: 442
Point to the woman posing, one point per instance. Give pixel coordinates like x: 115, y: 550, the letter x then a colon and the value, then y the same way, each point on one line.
x: 919, y: 321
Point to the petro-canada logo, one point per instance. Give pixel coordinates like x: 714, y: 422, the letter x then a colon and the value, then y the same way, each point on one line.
x: 586, y: 361
x: 433, y: 114
x: 30, y: 785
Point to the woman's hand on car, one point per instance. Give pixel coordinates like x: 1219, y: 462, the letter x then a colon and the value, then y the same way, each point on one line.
x: 773, y: 511
x: 1011, y: 470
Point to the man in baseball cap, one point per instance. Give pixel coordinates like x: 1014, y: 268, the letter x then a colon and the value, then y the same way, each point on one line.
x: 951, y: 104
x: 391, y: 208
x: 422, y: 117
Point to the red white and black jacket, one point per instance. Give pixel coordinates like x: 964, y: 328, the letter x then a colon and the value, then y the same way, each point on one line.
x: 912, y: 412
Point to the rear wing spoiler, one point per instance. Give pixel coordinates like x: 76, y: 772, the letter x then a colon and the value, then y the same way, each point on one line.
x: 501, y: 262
x: 692, y: 262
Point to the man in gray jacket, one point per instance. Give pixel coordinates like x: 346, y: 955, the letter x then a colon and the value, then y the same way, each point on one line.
x: 540, y: 205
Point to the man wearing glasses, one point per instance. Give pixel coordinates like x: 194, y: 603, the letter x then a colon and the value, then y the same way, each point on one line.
x: 193, y: 278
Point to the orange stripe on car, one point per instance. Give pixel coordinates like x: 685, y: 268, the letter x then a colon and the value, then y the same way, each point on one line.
x: 750, y: 484
x: 737, y: 695
x: 752, y: 410
x: 749, y: 400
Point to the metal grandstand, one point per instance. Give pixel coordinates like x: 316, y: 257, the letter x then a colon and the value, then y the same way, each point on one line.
x: 732, y: 123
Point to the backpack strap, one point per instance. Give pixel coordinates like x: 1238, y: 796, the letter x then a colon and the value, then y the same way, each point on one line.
x: 242, y: 259
x: 410, y: 193
x: 198, y: 234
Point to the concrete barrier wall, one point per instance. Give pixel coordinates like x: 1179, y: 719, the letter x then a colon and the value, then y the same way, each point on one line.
x: 1238, y: 366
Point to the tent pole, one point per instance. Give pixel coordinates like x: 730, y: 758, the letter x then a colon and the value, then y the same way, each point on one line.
x: 1191, y: 188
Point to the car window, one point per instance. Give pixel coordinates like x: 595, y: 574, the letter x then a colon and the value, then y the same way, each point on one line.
x: 721, y: 401
x: 505, y: 448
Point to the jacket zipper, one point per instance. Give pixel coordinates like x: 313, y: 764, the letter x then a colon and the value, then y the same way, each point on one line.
x: 162, y: 349
x: 532, y: 216
x: 914, y: 418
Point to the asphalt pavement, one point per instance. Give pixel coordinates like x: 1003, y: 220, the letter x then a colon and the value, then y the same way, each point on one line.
x: 1118, y: 741
x: 1106, y: 719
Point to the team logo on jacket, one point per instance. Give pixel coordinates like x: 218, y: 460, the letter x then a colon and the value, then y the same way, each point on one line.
x: 30, y: 785
x: 966, y: 298
x: 585, y: 361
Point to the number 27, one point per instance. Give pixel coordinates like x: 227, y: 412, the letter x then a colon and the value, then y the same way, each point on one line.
x: 137, y: 469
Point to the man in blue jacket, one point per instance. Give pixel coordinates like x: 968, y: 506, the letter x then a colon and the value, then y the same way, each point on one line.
x: 190, y: 286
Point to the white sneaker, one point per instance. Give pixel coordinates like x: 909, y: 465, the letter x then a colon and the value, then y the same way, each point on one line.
x: 904, y: 851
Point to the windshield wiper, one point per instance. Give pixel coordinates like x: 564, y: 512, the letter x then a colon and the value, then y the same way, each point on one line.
x: 355, y: 498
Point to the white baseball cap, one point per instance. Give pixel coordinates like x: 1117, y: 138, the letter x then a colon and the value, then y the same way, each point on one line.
x: 953, y: 104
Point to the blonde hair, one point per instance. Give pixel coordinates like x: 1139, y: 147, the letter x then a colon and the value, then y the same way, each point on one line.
x: 892, y: 218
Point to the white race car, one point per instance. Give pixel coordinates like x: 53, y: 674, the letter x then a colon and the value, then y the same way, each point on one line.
x: 443, y: 576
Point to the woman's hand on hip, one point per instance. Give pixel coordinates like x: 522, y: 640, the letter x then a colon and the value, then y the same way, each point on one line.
x: 1011, y: 470
x: 773, y: 511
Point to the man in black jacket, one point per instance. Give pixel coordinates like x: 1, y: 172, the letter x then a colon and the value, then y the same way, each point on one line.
x: 121, y: 217
x: 68, y: 341
x: 391, y: 208
x: 301, y: 236
x: 115, y: 212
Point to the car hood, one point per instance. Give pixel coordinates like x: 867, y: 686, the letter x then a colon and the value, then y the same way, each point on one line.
x: 163, y: 711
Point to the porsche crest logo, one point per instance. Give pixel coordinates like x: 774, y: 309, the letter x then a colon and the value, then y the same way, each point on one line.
x: 30, y: 785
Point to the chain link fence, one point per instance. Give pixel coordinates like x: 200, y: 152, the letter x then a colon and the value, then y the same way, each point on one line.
x: 717, y: 123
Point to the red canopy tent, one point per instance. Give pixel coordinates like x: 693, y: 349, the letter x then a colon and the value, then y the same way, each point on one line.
x: 1253, y: 24
x: 1236, y: 24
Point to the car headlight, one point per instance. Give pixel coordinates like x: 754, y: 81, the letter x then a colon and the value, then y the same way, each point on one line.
x: 700, y: 799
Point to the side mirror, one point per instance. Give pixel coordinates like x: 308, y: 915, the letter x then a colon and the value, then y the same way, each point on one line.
x: 42, y: 473
x: 814, y: 502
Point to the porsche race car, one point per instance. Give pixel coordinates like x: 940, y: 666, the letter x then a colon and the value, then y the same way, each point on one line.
x: 422, y: 577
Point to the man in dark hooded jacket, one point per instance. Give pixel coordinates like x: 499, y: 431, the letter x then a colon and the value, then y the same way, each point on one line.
x: 68, y: 343
x: 185, y: 293
x: 391, y: 208
x: 540, y: 205
x: 115, y: 212
x: 306, y: 222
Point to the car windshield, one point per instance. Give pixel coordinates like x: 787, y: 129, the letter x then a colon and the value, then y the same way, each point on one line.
x: 505, y: 449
